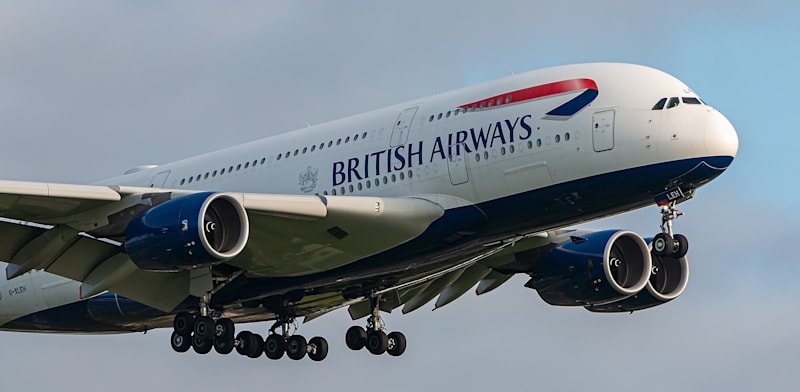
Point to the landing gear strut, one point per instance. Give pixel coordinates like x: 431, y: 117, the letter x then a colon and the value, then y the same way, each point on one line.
x: 667, y: 244
x: 373, y: 337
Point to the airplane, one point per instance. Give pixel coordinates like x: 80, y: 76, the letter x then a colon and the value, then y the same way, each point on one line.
x: 382, y: 210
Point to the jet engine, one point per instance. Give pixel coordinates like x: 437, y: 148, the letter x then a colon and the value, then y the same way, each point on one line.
x: 668, y: 279
x: 189, y: 232
x: 593, y: 268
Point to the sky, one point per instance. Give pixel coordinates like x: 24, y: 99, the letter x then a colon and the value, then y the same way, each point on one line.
x: 89, y: 89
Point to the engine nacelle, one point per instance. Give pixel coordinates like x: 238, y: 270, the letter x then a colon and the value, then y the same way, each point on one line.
x: 668, y: 279
x: 594, y: 268
x: 189, y: 232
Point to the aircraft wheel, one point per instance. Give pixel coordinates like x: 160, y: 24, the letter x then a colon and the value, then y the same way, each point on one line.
x: 204, y: 327
x: 377, y: 342
x: 355, y: 338
x: 255, y: 346
x: 201, y: 345
x: 274, y: 346
x: 397, y: 344
x: 296, y: 347
x: 183, y: 323
x: 241, y: 342
x: 681, y: 246
x: 180, y: 343
x: 663, y: 244
x: 317, y: 348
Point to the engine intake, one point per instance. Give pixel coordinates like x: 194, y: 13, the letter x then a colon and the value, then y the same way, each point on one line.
x: 593, y: 268
x: 668, y: 279
x: 189, y: 232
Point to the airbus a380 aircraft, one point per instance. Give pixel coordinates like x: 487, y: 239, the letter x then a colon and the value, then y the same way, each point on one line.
x: 385, y: 209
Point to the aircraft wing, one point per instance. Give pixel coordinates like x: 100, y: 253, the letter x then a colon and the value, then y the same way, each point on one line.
x: 78, y: 231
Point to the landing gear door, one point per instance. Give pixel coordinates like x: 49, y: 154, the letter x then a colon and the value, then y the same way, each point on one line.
x: 402, y: 127
x: 603, y: 130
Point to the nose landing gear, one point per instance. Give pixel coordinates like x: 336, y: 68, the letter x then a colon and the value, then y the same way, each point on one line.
x: 667, y: 244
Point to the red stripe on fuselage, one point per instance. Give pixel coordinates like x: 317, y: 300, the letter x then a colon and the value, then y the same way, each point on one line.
x: 535, y: 92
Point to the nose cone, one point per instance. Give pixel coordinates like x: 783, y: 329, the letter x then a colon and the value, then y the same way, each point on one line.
x: 721, y: 139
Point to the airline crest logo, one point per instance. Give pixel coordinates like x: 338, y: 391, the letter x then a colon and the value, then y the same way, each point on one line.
x: 541, y: 91
x: 308, y: 179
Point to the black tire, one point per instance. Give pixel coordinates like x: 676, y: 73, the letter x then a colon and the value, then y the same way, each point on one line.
x: 183, y: 323
x: 377, y: 342
x: 397, y: 344
x: 255, y: 346
x: 663, y: 244
x: 274, y: 346
x: 241, y: 343
x: 180, y: 343
x: 224, y: 343
x: 224, y: 327
x: 681, y: 246
x: 296, y: 347
x: 202, y: 346
x: 204, y: 328
x: 317, y: 348
x: 355, y: 338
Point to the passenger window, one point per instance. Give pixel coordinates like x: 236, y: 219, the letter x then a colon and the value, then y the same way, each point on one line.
x: 674, y: 101
x: 660, y: 104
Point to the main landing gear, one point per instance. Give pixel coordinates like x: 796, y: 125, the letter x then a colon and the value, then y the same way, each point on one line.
x: 208, y: 330
x: 294, y: 346
x: 374, y: 338
x: 202, y: 332
x: 667, y: 244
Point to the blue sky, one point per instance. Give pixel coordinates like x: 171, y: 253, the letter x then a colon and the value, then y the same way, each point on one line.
x: 90, y: 89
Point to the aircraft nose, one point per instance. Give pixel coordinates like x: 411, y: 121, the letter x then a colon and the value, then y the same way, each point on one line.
x: 721, y: 138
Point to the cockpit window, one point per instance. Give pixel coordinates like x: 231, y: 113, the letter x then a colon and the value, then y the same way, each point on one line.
x: 660, y: 104
x: 691, y: 101
x: 674, y: 101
